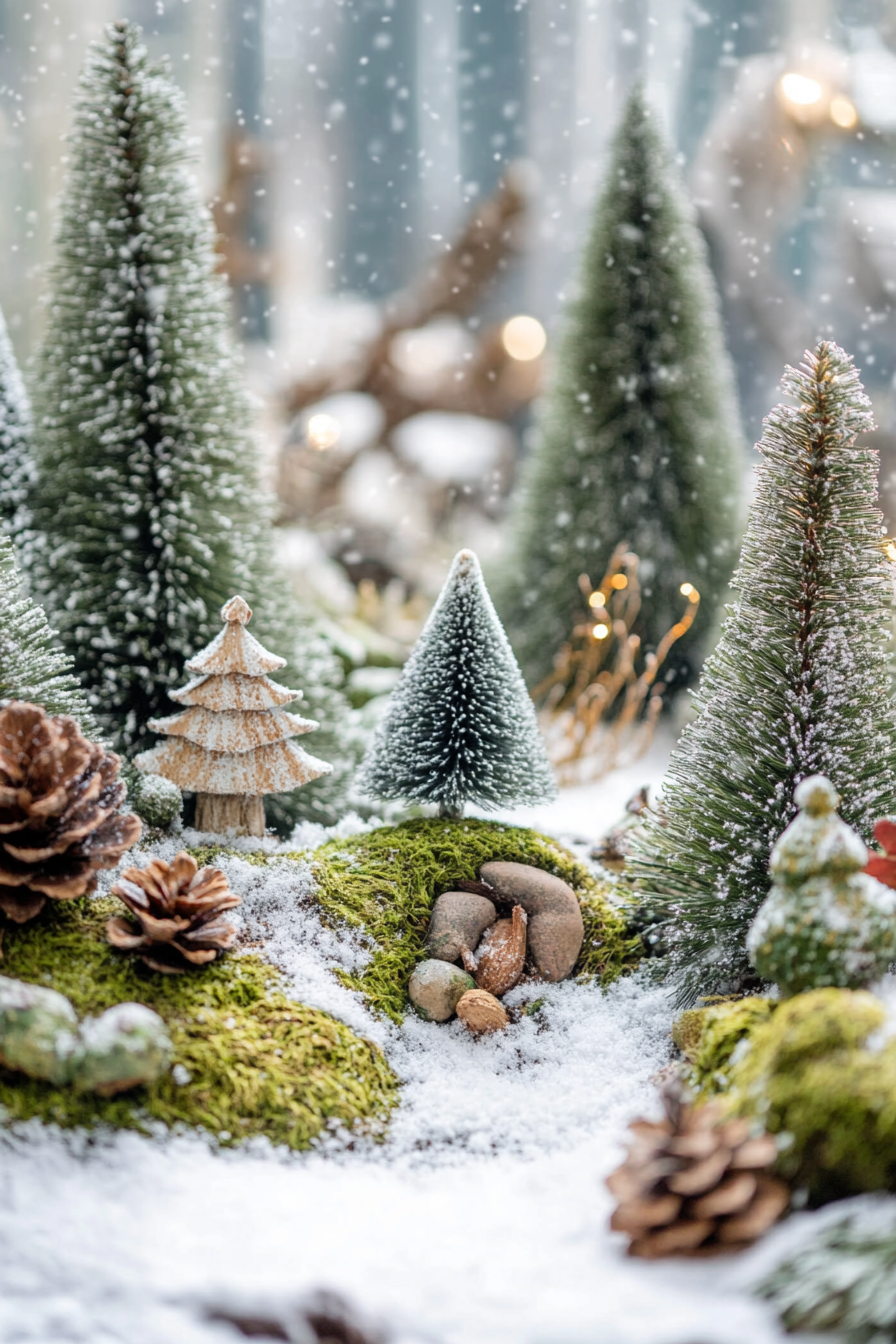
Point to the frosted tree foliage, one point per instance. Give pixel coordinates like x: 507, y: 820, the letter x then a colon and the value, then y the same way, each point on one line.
x: 32, y: 667
x: 460, y: 727
x: 798, y: 685
x: 16, y: 461
x: 148, y: 498
x: 639, y: 442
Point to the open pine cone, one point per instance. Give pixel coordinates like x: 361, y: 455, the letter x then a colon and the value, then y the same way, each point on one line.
x: 693, y: 1183
x: 59, y: 817
x: 177, y: 912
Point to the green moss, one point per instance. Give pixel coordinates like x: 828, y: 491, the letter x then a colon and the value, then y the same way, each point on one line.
x: 707, y: 1037
x: 258, y: 1062
x: 809, y: 1075
x: 386, y: 881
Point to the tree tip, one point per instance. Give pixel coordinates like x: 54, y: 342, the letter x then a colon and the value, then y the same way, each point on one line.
x: 465, y: 562
x: 237, y: 610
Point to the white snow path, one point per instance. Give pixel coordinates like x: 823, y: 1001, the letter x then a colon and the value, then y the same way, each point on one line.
x: 481, y: 1220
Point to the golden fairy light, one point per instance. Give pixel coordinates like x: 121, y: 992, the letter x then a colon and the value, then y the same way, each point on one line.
x: 889, y: 548
x: 843, y: 113
x: 524, y: 338
x: 597, y: 710
x: 801, y: 90
x: 323, y: 431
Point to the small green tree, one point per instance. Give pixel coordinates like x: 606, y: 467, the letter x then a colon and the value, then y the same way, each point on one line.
x: 460, y: 727
x: 32, y: 667
x: 639, y: 442
x: 798, y: 685
x: 16, y: 461
x: 148, y: 495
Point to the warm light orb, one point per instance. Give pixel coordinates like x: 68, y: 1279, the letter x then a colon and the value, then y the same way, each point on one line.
x: 843, y: 113
x: 597, y: 599
x: 690, y: 592
x: 523, y: 338
x: 800, y: 89
x: 619, y: 581
x: 600, y: 631
x: 323, y: 431
x: 890, y: 550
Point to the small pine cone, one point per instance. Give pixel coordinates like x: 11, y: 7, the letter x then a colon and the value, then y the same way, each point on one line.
x: 177, y: 912
x: 693, y: 1183
x: 59, y: 810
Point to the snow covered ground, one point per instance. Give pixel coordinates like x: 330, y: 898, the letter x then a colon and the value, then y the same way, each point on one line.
x: 481, y: 1220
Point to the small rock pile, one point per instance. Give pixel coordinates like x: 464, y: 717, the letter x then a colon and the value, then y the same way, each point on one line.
x: 514, y: 919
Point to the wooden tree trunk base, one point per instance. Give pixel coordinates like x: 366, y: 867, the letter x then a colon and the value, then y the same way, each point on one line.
x: 220, y: 812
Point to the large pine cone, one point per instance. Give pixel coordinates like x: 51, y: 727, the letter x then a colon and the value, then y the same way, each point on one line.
x: 59, y: 817
x: 693, y: 1183
x: 178, y: 914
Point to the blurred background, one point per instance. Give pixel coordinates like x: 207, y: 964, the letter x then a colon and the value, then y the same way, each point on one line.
x: 401, y: 188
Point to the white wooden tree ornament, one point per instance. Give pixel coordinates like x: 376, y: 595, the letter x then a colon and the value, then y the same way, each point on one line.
x: 232, y: 745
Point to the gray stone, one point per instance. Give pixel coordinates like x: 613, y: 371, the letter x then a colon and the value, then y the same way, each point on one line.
x: 556, y: 929
x: 38, y: 1031
x: 435, y: 988
x: 458, y: 921
x: 124, y: 1047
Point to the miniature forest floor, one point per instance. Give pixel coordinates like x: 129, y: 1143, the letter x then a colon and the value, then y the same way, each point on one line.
x: 481, y: 1219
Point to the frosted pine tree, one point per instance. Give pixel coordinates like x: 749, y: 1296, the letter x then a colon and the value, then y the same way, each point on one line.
x: 16, y: 461
x: 32, y: 667
x: 460, y: 727
x: 639, y: 441
x: 798, y: 685
x: 148, y: 497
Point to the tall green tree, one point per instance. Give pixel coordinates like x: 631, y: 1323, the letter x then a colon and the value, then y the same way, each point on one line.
x: 32, y: 666
x: 16, y: 460
x: 639, y: 440
x: 799, y: 683
x: 148, y: 497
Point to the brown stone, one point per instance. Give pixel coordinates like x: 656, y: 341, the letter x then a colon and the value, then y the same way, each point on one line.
x: 501, y: 956
x: 556, y: 929
x: 458, y: 921
x: 481, y: 1012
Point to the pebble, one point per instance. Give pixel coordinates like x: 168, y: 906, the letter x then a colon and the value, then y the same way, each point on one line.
x: 501, y: 956
x: 481, y: 1012
x: 435, y: 988
x: 458, y: 921
x: 556, y: 929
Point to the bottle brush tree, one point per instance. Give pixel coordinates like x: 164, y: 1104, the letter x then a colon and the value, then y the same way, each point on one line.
x: 32, y: 667
x: 798, y: 685
x: 460, y: 727
x: 147, y: 497
x: 639, y: 441
x: 16, y: 461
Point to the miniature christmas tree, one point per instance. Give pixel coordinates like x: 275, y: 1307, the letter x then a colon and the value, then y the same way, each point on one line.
x: 16, y: 463
x: 460, y: 727
x: 639, y: 441
x: 32, y: 668
x: 147, y: 494
x: 824, y: 922
x: 230, y: 747
x: 799, y: 683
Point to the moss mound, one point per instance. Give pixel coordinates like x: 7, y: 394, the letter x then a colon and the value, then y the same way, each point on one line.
x: 386, y: 882
x: 811, y: 1070
x: 258, y: 1063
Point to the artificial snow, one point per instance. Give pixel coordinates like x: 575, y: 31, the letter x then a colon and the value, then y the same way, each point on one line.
x: 482, y: 1218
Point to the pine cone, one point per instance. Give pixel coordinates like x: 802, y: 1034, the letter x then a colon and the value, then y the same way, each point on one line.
x: 178, y: 914
x: 693, y: 1183
x: 59, y: 817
